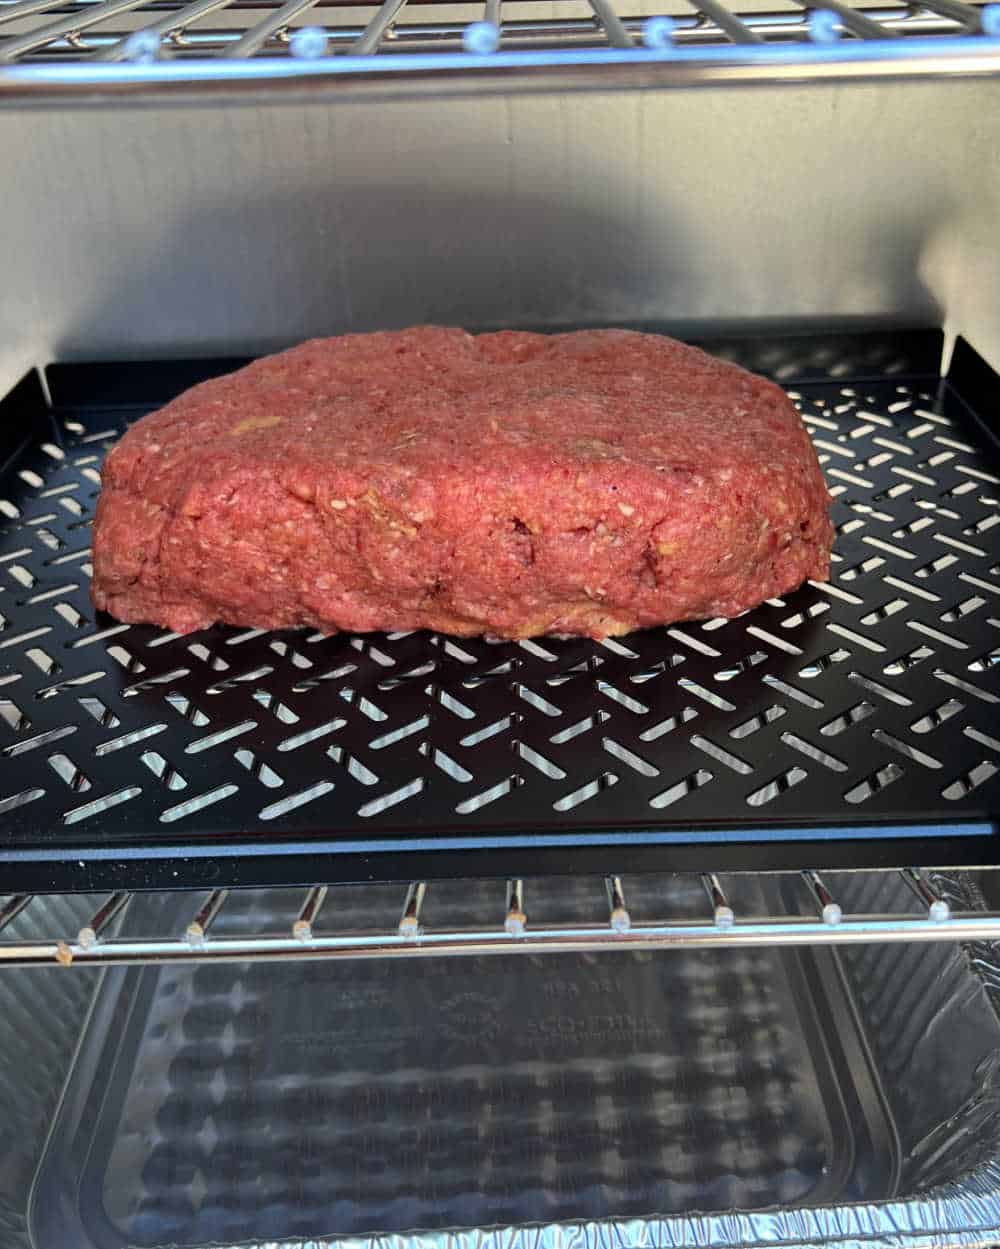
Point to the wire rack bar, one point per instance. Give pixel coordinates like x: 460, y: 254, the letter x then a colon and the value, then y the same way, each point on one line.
x: 854, y: 21
x: 829, y: 910
x: 957, y: 10
x: 64, y: 37
x: 614, y: 29
x: 508, y: 933
x: 258, y: 35
x: 87, y: 31
x: 25, y: 8
x: 735, y: 27
x: 516, y: 921
x: 197, y: 930
x: 544, y: 940
x: 940, y: 15
x: 618, y: 915
x: 419, y: 37
x: 173, y: 24
x: 444, y: 74
x: 18, y: 9
x: 377, y: 27
x: 12, y: 908
x: 937, y: 908
x: 771, y: 28
x: 721, y: 910
x: 104, y: 917
x: 302, y: 929
x: 409, y: 922
x: 70, y: 25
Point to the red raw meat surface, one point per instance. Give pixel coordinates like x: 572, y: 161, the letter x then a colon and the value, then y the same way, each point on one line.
x: 511, y: 484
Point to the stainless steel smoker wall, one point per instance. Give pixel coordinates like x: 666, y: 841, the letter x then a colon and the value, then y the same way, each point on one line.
x: 178, y: 228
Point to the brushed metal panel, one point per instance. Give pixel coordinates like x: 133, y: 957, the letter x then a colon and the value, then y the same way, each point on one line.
x: 169, y: 230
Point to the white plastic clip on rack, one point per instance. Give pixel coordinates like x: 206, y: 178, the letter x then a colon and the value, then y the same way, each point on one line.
x: 813, y: 917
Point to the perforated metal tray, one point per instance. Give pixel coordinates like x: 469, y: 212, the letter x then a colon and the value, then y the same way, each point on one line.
x: 851, y: 724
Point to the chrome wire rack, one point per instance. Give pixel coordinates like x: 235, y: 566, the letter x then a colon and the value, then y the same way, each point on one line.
x: 122, y: 45
x: 218, y: 925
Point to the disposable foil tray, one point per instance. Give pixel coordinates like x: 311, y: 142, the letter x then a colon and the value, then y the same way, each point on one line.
x: 787, y: 1098
x: 219, y: 1104
x: 853, y: 723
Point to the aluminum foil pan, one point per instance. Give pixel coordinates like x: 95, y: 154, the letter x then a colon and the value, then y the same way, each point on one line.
x: 714, y: 1098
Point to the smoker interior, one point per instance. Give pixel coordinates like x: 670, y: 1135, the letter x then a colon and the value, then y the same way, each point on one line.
x: 731, y: 1098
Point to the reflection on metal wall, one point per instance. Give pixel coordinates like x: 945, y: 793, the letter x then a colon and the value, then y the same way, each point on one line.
x: 236, y: 228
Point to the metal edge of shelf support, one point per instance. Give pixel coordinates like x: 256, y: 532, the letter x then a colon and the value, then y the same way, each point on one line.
x: 554, y: 940
x: 511, y: 934
x: 561, y: 33
x: 460, y: 74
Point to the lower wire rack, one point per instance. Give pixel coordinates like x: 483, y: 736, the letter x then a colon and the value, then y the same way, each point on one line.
x: 814, y: 916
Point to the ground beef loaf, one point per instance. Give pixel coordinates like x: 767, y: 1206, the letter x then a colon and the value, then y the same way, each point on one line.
x: 509, y: 484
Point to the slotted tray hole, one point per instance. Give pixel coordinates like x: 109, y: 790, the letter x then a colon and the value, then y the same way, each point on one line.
x: 103, y: 714
x: 220, y: 736
x: 779, y: 785
x: 720, y: 755
x: 874, y: 783
x: 186, y: 708
x: 744, y: 665
x: 656, y: 731
x: 128, y: 739
x: 41, y: 739
x: 583, y: 725
x: 69, y: 773
x: 871, y: 686
x: 680, y: 789
x: 451, y: 767
x: 984, y: 739
x: 987, y: 661
x: 13, y: 716
x: 291, y: 802
x: 259, y: 768
x: 100, y: 805
x: 822, y: 663
x: 191, y: 806
x: 21, y: 799
x: 816, y: 753
x: 168, y: 776
x: 629, y: 757
x: 386, y: 801
x: 905, y: 748
x: 541, y: 763
x: 353, y: 765
x: 312, y: 735
x: 757, y: 722
x: 417, y: 726
x: 966, y: 687
x: 585, y: 792
x: 904, y: 663
x: 964, y: 785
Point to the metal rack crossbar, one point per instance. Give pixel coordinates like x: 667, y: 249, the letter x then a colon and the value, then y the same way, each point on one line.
x: 166, y: 41
x: 823, y: 921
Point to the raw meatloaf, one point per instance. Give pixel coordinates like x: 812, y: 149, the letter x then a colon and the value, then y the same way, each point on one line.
x: 510, y: 484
